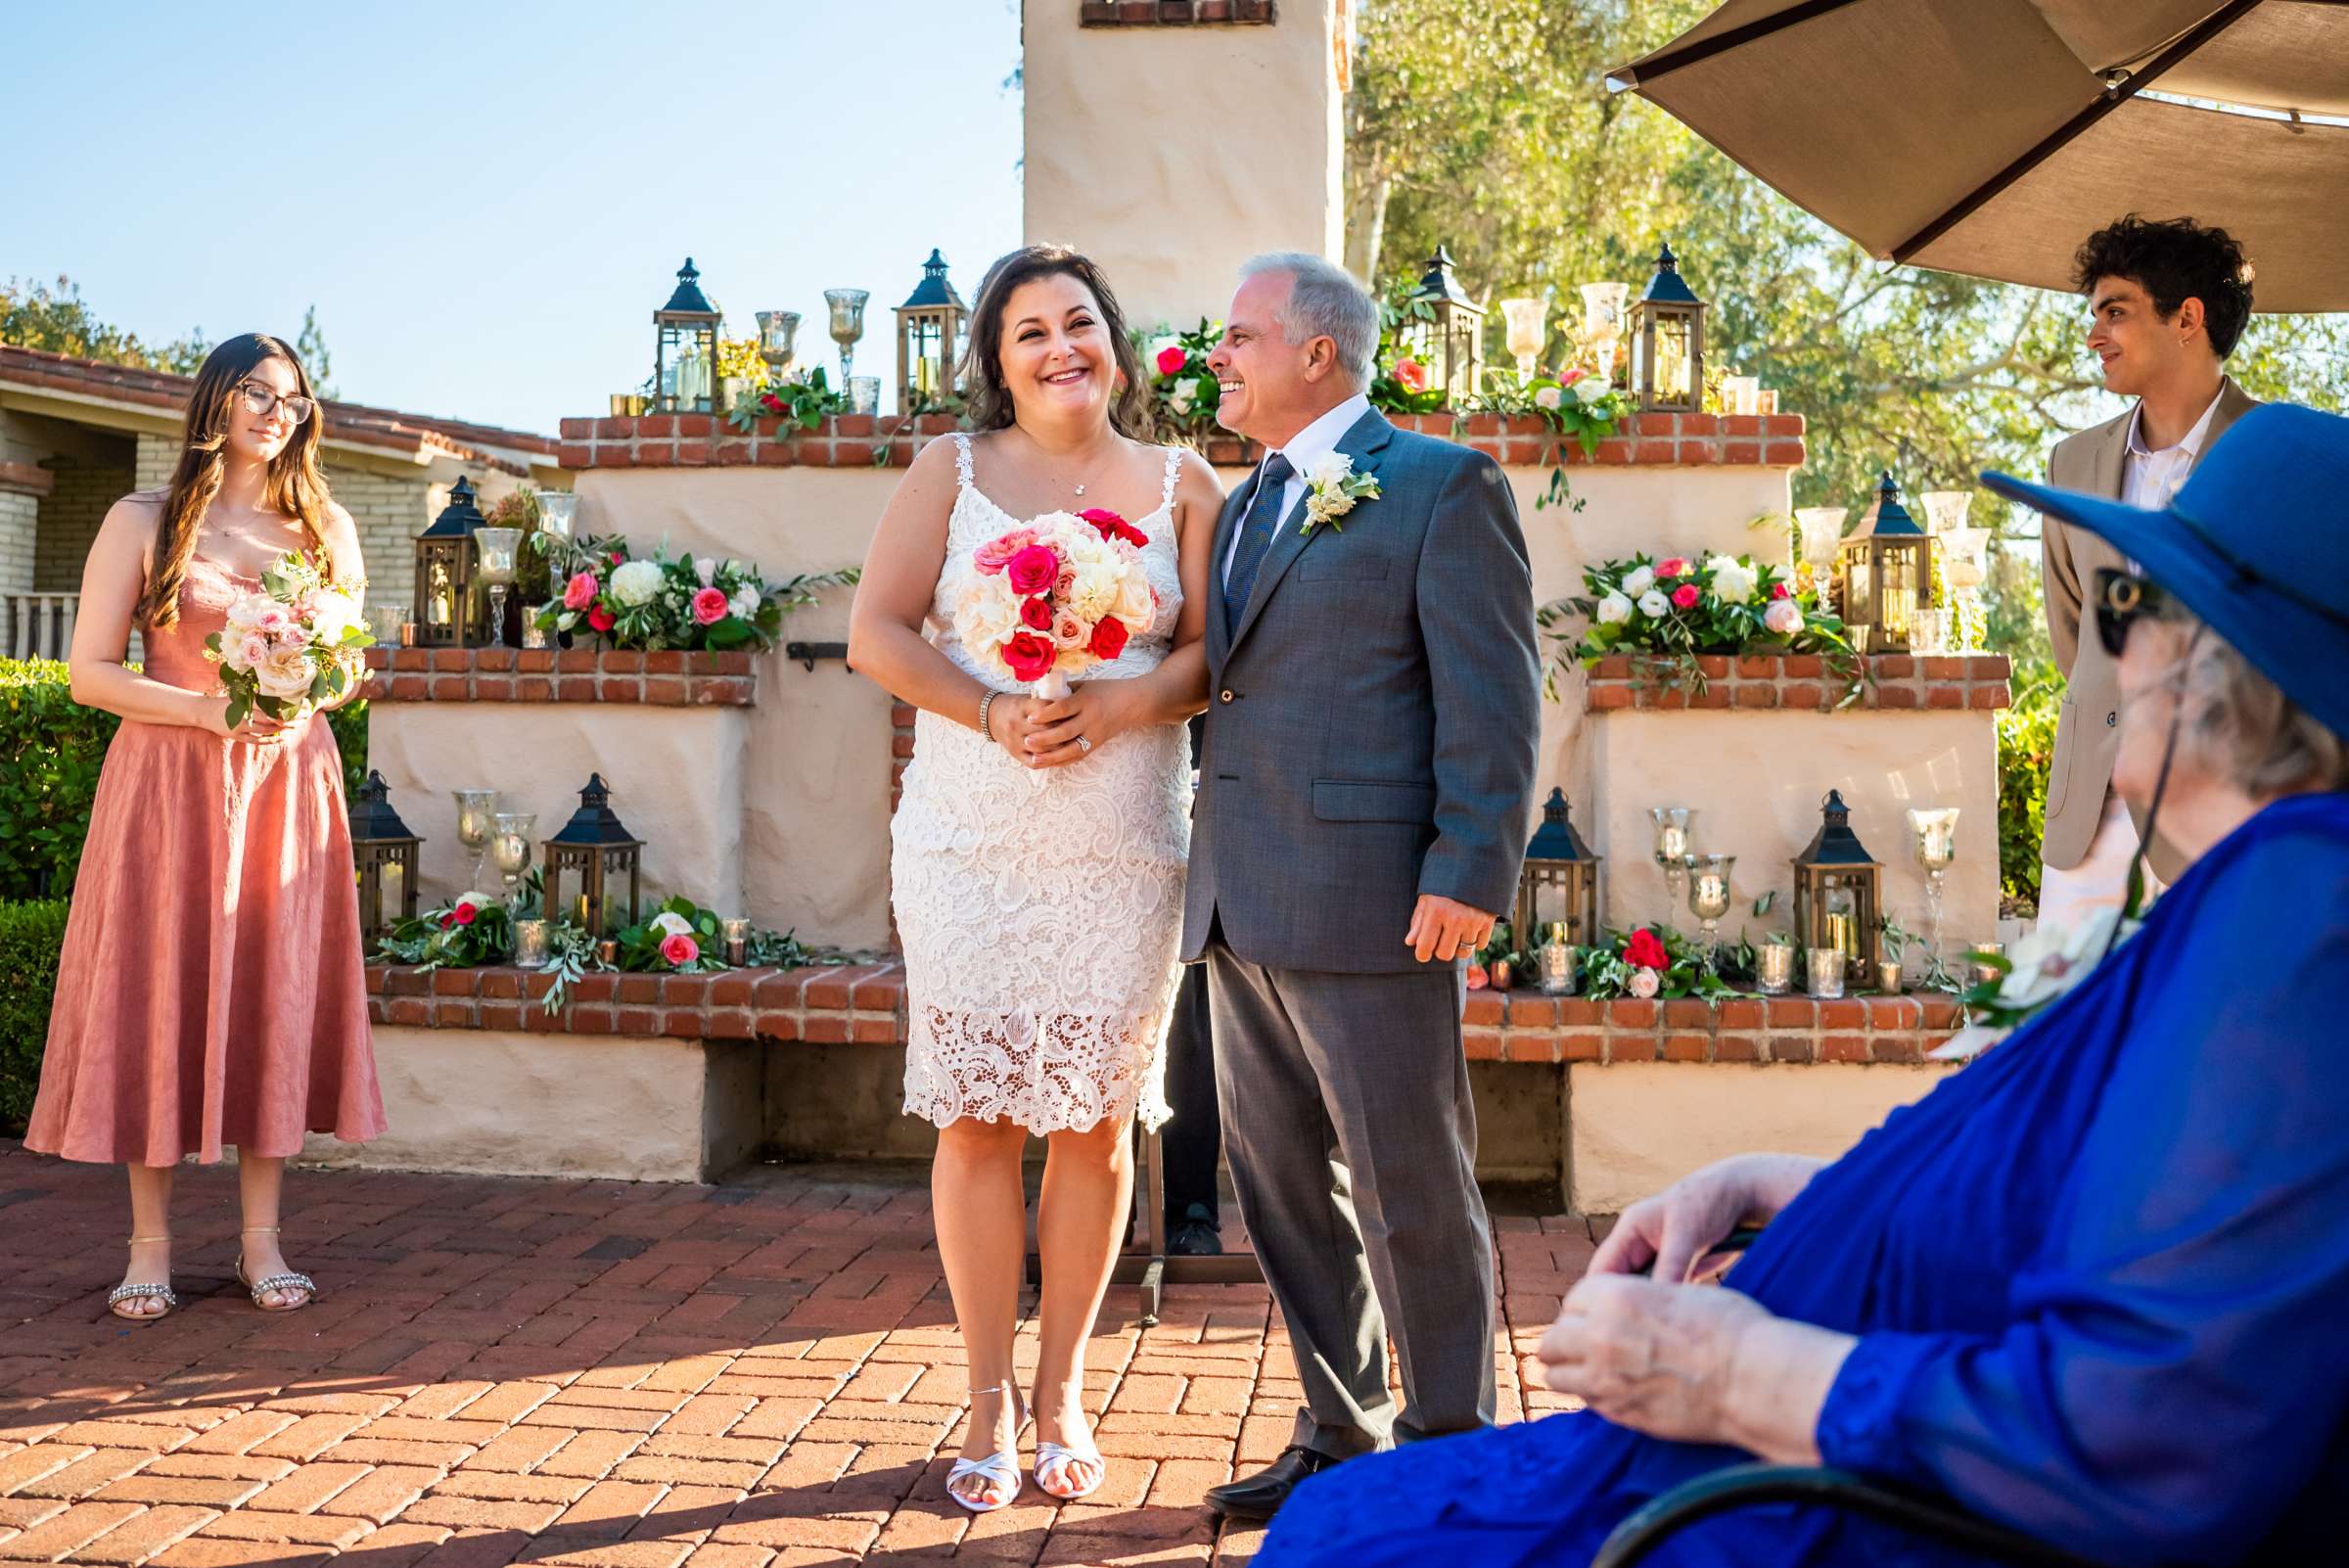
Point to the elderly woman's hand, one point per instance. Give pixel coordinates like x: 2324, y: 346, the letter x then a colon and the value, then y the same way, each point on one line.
x: 1694, y: 1364
x: 1675, y: 1229
x: 1651, y: 1357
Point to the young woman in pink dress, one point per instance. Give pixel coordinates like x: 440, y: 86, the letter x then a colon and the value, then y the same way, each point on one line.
x: 211, y: 991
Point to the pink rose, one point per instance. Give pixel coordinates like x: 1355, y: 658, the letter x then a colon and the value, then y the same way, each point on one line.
x: 1685, y: 596
x: 992, y: 557
x: 580, y: 591
x: 1411, y: 375
x: 254, y: 650
x: 1029, y: 656
x: 1573, y: 376
x: 1643, y: 982
x: 678, y: 949
x: 709, y: 606
x: 1672, y: 567
x: 1069, y: 630
x: 1172, y: 359
x: 1783, y: 618
x: 1033, y: 569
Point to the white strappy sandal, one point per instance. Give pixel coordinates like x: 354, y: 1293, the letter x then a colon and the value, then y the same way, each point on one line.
x: 1053, y: 1460
x: 1001, y: 1470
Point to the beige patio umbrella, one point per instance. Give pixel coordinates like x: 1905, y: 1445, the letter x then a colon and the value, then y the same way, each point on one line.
x: 1988, y: 137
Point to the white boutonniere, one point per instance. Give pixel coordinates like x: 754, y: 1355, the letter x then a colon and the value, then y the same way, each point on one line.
x: 1332, y: 487
x: 2043, y: 967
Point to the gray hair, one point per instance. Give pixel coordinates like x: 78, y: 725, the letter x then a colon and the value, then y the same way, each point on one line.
x: 1324, y: 302
x: 2247, y: 730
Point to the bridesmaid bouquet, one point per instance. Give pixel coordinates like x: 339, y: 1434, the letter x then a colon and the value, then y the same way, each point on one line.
x: 1056, y: 596
x: 297, y: 643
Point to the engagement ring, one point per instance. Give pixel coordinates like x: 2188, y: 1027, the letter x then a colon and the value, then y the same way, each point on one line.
x: 1084, y: 745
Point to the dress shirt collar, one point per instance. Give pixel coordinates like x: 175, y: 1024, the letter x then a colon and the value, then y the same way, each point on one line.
x: 1320, y: 438
x: 2190, y: 444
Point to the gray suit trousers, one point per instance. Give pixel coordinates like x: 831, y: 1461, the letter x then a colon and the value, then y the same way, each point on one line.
x: 1353, y: 1145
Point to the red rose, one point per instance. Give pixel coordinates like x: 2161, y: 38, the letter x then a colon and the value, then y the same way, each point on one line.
x: 617, y: 558
x: 1037, y: 614
x: 464, y: 914
x: 1028, y: 655
x: 1478, y: 980
x: 1685, y: 596
x: 1779, y: 590
x: 771, y: 402
x: 1107, y: 521
x: 1646, y: 951
x: 447, y: 920
x: 1109, y: 638
x: 1172, y: 359
x: 600, y: 619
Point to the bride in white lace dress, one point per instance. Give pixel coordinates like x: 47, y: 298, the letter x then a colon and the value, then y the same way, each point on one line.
x: 1039, y: 847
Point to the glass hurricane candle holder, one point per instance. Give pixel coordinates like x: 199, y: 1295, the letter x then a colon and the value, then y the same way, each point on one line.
x: 532, y: 942
x: 477, y: 813
x: 1602, y: 322
x: 864, y: 394
x: 1557, y: 960
x: 385, y: 621
x: 1934, y: 834
x: 1741, y: 394
x: 847, y: 324
x: 1823, y: 970
x: 493, y: 551
x: 510, y: 847
x: 1946, y: 510
x: 1773, y: 968
x: 1672, y: 844
x: 738, y: 939
x: 1709, y: 898
x: 1527, y: 329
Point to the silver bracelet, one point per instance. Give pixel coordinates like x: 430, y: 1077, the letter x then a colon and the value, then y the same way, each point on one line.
x: 985, y: 703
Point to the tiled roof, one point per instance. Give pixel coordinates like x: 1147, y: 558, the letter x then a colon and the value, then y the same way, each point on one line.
x: 355, y: 424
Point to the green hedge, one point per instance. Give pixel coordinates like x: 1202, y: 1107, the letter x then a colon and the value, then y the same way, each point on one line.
x: 31, y: 934
x: 50, y: 750
x: 2026, y: 746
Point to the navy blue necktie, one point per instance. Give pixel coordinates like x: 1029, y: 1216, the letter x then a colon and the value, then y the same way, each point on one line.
x: 1257, y: 533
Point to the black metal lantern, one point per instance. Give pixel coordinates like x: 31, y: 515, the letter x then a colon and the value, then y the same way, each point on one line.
x: 685, y: 354
x: 1838, y: 890
x: 1884, y: 574
x: 448, y: 611
x: 1452, y: 346
x: 930, y: 328
x: 385, y: 852
x: 1559, y: 885
x: 1668, y: 342
x: 596, y: 848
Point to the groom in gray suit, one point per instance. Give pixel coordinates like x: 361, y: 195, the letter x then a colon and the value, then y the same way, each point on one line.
x: 1364, y: 800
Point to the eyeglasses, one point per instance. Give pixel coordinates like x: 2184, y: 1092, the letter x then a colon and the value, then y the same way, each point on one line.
x: 2122, y: 597
x: 261, y: 401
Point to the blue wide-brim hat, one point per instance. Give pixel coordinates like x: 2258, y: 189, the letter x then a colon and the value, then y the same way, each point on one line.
x: 2256, y: 543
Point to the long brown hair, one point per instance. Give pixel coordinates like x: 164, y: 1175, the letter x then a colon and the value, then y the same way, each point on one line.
x: 295, y: 487
x: 983, y: 361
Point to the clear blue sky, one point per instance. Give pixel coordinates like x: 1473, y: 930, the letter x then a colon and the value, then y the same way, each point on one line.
x: 488, y: 201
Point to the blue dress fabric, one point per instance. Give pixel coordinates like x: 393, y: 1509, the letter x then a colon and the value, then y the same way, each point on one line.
x: 2099, y: 1280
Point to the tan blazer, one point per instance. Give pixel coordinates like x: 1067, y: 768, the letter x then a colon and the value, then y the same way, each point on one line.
x: 2087, y: 733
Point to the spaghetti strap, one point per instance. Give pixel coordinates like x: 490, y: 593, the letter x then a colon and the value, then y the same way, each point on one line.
x: 1166, y: 496
x: 964, y: 478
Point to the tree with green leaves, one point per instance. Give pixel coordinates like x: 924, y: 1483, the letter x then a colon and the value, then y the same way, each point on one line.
x: 35, y: 315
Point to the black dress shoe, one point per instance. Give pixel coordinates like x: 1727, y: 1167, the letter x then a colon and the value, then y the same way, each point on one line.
x: 1260, y: 1496
x: 1194, y: 1234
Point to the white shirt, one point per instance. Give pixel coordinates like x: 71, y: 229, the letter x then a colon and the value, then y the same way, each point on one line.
x: 1304, y: 448
x: 2149, y: 478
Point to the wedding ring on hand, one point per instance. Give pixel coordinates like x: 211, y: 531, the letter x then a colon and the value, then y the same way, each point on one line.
x: 1084, y: 745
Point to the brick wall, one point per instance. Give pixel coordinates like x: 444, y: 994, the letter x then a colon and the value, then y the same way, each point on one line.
x: 157, y: 457
x: 20, y: 507
x: 389, y: 512
x: 1172, y: 13
x: 70, y: 512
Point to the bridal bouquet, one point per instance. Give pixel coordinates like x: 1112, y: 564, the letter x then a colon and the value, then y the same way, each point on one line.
x: 1056, y: 596
x: 297, y: 643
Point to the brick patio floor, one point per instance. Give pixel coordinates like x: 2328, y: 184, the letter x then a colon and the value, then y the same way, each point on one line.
x: 761, y: 1374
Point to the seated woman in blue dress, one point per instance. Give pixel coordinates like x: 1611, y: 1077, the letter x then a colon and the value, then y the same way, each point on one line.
x: 2096, y: 1285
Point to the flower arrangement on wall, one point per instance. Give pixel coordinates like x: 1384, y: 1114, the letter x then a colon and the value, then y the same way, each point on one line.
x: 687, y: 602
x: 1669, y: 613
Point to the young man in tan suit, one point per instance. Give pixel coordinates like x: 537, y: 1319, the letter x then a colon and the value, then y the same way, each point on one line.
x: 2167, y: 302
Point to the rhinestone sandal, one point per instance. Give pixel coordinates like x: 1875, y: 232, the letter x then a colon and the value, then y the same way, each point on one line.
x: 1001, y: 1470
x: 162, y: 1293
x: 279, y: 1282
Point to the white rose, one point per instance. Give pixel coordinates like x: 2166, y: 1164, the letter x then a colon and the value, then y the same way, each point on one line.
x: 672, y: 924
x: 1590, y: 390
x: 332, y: 613
x: 735, y: 569
x: 1732, y: 582
x: 480, y: 900
x: 987, y: 615
x: 245, y: 614
x: 1330, y: 469
x: 635, y: 582
x: 1614, y: 609
x: 1639, y: 580
x: 1548, y: 398
x: 1654, y: 604
x: 1783, y: 617
x: 1180, y: 399
x: 705, y: 569
x: 745, y: 603
x: 1644, y: 983
x: 1135, y: 603
x: 286, y: 673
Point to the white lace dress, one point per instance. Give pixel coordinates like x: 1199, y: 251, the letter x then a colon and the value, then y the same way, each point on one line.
x: 1041, y: 909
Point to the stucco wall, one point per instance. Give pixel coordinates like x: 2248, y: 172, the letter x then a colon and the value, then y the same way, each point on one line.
x: 1637, y: 1128
x: 1171, y: 155
x: 578, y: 1105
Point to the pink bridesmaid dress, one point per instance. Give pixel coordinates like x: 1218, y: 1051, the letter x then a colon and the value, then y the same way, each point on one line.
x: 211, y: 990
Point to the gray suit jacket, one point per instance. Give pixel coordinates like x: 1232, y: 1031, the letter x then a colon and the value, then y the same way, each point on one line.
x: 2087, y: 730
x: 1372, y: 719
